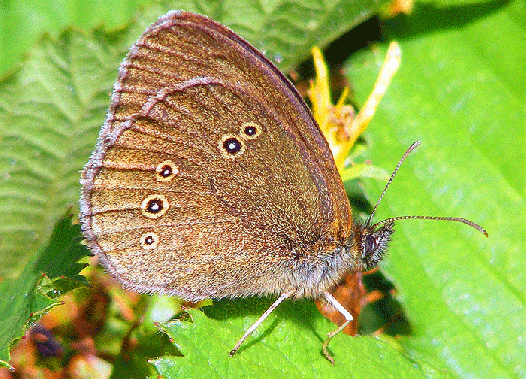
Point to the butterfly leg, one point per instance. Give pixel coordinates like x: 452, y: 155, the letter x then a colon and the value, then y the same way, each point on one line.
x: 254, y: 326
x: 348, y: 318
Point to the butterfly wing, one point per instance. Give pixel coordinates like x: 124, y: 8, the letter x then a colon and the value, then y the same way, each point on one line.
x: 210, y: 177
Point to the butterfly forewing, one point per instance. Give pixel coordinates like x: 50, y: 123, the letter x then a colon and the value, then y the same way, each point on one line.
x: 209, y: 169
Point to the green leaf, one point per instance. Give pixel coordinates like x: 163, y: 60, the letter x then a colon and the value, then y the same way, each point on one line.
x: 285, y: 29
x: 23, y: 22
x: 287, y: 344
x: 25, y: 299
x: 49, y: 113
x: 460, y: 91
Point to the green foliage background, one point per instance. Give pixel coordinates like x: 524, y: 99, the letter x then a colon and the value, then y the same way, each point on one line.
x: 460, y: 91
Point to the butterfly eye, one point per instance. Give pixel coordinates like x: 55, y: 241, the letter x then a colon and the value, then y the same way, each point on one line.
x: 374, y: 244
x: 369, y: 245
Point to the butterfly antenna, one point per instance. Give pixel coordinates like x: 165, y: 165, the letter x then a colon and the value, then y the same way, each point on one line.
x: 411, y: 148
x: 457, y: 219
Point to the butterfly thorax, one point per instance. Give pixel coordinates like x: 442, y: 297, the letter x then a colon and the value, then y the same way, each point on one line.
x: 314, y: 269
x: 362, y: 250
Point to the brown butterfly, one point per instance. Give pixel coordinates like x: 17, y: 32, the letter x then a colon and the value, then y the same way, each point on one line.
x: 211, y: 179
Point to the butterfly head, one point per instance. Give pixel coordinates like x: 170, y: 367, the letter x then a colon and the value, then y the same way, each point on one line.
x: 373, y: 241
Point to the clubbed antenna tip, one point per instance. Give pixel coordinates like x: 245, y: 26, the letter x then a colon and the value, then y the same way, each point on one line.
x: 457, y: 219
